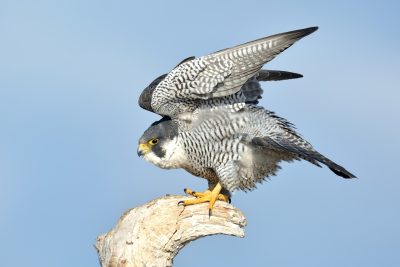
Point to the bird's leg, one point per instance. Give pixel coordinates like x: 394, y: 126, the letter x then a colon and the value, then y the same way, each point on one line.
x: 206, y: 196
x: 214, y: 196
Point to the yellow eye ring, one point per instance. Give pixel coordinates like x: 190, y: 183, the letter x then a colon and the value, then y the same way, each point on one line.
x: 153, y: 141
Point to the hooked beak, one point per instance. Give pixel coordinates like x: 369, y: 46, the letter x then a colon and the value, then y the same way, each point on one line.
x: 142, y: 150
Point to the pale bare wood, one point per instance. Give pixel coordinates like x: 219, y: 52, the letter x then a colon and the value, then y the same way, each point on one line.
x: 152, y: 234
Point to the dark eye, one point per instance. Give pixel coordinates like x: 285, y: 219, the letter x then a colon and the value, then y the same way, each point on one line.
x: 153, y: 141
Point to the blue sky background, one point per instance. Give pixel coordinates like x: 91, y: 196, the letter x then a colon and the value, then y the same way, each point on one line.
x: 70, y: 76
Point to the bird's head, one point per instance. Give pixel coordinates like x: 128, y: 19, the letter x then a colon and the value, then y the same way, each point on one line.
x: 159, y: 142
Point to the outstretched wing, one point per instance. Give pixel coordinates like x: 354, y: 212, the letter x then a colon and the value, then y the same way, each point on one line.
x: 219, y: 74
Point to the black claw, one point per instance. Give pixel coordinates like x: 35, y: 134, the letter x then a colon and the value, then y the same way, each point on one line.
x: 185, y: 190
x: 229, y: 200
x: 180, y: 202
x: 209, y: 213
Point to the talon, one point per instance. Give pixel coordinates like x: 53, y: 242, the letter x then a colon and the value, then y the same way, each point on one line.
x: 181, y: 203
x: 192, y: 193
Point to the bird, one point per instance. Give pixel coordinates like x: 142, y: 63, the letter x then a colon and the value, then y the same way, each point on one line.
x: 213, y: 126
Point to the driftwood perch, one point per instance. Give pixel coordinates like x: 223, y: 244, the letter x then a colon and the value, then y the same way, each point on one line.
x: 152, y: 234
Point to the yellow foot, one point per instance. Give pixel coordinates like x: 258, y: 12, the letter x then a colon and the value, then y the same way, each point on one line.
x: 221, y: 197
x: 206, y: 196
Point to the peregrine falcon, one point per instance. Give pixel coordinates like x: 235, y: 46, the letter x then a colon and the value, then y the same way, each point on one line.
x: 212, y: 125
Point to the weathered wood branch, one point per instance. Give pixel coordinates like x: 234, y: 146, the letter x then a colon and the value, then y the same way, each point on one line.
x: 152, y: 234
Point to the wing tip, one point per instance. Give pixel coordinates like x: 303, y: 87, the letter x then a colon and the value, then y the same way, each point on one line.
x: 311, y: 29
x: 297, y: 75
x: 342, y: 172
x: 277, y: 75
x: 304, y: 32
